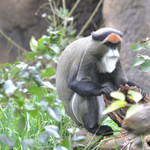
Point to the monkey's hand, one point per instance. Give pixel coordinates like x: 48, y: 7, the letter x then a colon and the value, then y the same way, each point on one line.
x: 142, y: 91
x: 106, y: 91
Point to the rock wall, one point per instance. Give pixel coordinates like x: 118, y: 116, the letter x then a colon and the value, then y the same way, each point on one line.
x: 83, y: 12
x: 19, y: 22
x: 132, y: 18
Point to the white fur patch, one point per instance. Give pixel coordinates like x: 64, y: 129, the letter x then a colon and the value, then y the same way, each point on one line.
x: 101, y: 105
x: 108, y: 62
x: 74, y: 109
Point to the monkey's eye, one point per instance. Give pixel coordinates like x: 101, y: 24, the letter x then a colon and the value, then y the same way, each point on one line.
x: 112, y: 45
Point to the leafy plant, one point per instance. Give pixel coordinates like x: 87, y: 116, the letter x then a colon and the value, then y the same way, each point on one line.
x: 142, y: 60
x: 120, y: 102
x: 30, y: 110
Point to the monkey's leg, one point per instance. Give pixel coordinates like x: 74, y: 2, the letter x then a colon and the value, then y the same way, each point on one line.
x: 92, y: 117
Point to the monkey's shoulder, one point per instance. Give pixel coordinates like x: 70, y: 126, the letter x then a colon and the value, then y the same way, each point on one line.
x: 79, y: 45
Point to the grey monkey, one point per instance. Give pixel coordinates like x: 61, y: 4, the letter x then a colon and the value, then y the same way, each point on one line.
x: 88, y: 68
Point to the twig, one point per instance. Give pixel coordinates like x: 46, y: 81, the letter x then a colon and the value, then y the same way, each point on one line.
x: 64, y: 4
x: 12, y: 42
x: 74, y: 7
x: 129, y: 143
x: 53, y: 11
x: 91, y: 17
x: 36, y: 13
x: 45, y: 147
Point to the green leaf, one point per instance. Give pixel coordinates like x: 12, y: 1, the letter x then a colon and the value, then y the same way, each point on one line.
x: 48, y: 72
x: 28, y: 142
x: 118, y: 95
x: 73, y: 130
x: 55, y: 113
x: 6, y: 65
x: 36, y: 90
x: 33, y: 44
x: 43, y: 137
x: 7, y: 140
x: 57, y: 101
x: 16, y: 63
x: 50, y: 98
x: 137, y: 46
x: 21, y: 122
x: 9, y: 87
x: 66, y: 143
x: 53, y: 130
x: 114, y: 106
x: 33, y: 113
x: 14, y: 72
x: 136, y: 96
x: 148, y: 45
x: 32, y: 54
x: 20, y: 102
x: 37, y: 78
x: 49, y: 85
x: 55, y: 48
x: 145, y: 67
x: 60, y: 148
x: 138, y: 61
x: 133, y: 109
x: 41, y: 46
x: 79, y: 139
x: 38, y: 64
x: 146, y: 57
x: 44, y: 105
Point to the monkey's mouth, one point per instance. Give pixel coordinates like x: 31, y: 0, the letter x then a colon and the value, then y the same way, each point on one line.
x: 113, y: 53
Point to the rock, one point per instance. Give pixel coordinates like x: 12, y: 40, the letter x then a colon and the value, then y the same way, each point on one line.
x: 109, y: 142
x: 19, y: 22
x: 131, y: 17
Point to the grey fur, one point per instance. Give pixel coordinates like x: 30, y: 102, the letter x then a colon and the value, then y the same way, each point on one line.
x: 82, y: 56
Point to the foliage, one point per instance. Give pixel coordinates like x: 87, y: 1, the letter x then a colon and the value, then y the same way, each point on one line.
x: 121, y: 102
x: 30, y: 110
x: 142, y: 60
x: 25, y: 91
x: 108, y: 121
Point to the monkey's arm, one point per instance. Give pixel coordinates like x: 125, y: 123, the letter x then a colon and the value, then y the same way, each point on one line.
x: 85, y: 87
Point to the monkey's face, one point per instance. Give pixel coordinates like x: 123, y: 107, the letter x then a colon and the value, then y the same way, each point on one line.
x: 106, y: 44
x: 104, y: 40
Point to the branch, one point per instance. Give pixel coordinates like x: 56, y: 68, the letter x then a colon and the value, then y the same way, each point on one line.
x: 74, y: 7
x: 12, y: 42
x: 53, y: 11
x: 90, y: 19
x: 64, y: 4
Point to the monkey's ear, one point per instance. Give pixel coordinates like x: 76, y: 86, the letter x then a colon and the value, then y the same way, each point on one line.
x: 113, y: 38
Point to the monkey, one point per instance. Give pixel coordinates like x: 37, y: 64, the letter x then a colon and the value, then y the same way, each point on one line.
x: 88, y: 69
